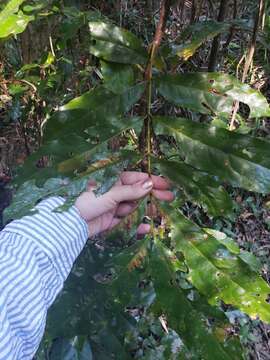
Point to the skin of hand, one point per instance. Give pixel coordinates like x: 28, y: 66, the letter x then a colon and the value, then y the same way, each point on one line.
x: 106, y: 211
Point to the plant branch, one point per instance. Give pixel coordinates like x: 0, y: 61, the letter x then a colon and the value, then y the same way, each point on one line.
x: 250, y: 55
x: 163, y: 16
x: 148, y: 127
x: 147, y: 134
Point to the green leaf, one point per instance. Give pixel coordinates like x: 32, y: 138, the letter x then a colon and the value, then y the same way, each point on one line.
x: 63, y: 350
x: 211, y: 93
x: 200, y: 187
x: 91, y: 108
x: 241, y: 160
x: 12, y: 20
x: 218, y: 273
x: 107, y: 131
x: 73, y: 155
x: 183, y: 315
x: 55, y: 151
x: 231, y: 245
x: 115, y: 44
x: 90, y: 308
x: 27, y: 196
x: 36, y: 7
x: 117, y: 77
x: 198, y: 34
x: 228, y: 242
x: 86, y: 353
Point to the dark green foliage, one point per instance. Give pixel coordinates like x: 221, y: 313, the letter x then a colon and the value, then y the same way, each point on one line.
x: 211, y: 93
x: 199, y: 187
x: 114, y: 44
x: 238, y: 159
x: 182, y: 274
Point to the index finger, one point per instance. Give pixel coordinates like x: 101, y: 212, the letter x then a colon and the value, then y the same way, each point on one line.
x: 132, y: 177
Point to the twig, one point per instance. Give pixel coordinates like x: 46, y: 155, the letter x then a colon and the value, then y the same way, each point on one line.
x: 51, y: 46
x: 164, y: 12
x: 148, y: 126
x: 29, y: 84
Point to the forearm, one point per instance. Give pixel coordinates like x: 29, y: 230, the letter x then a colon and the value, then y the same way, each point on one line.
x: 36, y: 255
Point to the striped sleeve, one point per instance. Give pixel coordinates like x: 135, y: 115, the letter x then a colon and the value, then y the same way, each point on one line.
x: 36, y: 255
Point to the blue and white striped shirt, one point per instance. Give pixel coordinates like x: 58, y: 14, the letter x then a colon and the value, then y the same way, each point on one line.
x: 36, y: 255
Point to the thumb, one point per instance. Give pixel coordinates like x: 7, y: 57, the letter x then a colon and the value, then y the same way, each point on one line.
x: 91, y: 207
x: 130, y: 192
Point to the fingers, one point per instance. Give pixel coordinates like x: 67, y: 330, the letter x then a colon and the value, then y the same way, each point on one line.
x: 126, y: 208
x: 115, y: 222
x: 91, y: 207
x: 133, y: 192
x: 132, y: 177
x: 160, y: 183
x: 163, y: 195
x: 143, y: 229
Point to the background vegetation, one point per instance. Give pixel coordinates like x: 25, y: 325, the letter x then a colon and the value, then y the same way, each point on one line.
x: 82, y: 98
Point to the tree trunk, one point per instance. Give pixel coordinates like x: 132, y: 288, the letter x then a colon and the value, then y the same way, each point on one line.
x: 216, y: 42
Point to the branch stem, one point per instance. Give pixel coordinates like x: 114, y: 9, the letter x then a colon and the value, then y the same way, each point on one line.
x: 148, y: 126
x: 164, y: 12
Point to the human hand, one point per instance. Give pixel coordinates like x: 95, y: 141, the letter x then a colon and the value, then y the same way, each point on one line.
x: 105, y: 212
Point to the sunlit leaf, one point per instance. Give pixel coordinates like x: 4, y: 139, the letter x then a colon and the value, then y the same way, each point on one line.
x: 184, y: 317
x: 218, y: 273
x: 12, y: 20
x: 195, y: 35
x: 250, y: 259
x: 211, y: 93
x: 115, y: 44
x: 241, y: 160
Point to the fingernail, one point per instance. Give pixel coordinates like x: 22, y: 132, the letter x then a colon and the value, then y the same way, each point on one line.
x: 147, y: 184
